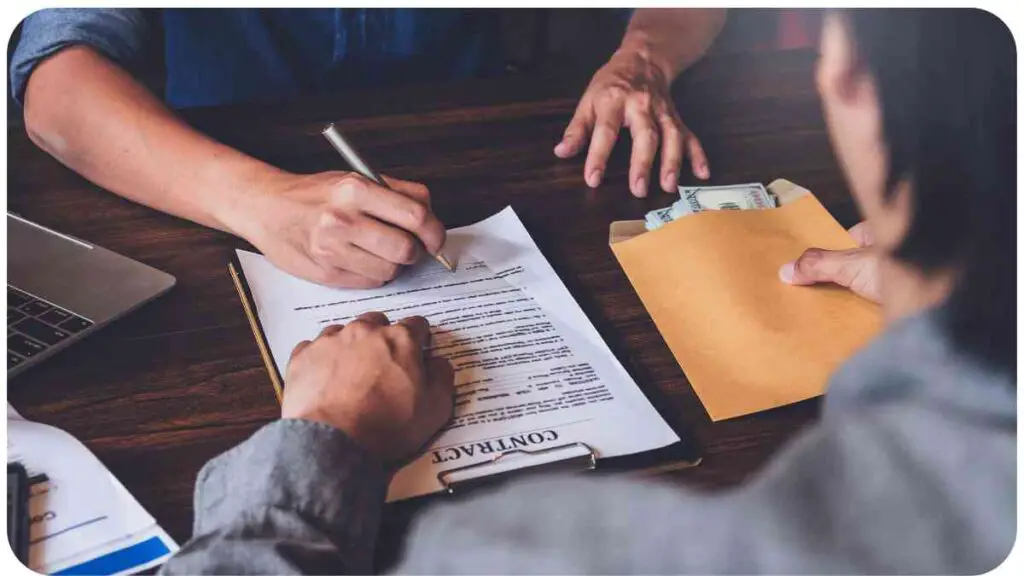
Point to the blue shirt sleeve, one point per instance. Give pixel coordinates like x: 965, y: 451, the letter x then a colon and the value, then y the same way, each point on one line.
x: 119, y: 34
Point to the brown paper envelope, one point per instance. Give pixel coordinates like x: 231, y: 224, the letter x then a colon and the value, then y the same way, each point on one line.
x: 746, y: 341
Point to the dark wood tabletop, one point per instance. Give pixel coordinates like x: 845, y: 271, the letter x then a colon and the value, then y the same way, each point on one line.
x: 174, y: 384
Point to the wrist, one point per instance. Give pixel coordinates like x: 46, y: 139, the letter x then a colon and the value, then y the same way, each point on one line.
x: 253, y: 190
x: 638, y: 47
x: 372, y: 444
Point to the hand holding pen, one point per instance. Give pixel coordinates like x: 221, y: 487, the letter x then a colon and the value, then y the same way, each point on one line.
x: 336, y: 228
x: 358, y: 163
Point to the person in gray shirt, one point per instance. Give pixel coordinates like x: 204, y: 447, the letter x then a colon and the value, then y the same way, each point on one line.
x: 911, y: 468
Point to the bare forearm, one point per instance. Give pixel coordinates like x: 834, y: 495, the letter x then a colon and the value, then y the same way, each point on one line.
x: 672, y: 38
x: 100, y: 122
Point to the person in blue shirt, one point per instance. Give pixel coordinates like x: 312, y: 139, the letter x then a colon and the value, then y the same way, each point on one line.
x: 74, y: 73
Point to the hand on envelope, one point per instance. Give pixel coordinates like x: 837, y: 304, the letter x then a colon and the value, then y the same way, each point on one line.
x: 856, y: 268
x: 746, y: 341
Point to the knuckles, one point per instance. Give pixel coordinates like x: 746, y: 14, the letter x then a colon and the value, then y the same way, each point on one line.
x: 671, y: 126
x: 405, y: 250
x: 612, y: 94
x: 349, y: 187
x: 811, y: 256
x: 807, y: 264
x: 419, y: 191
x: 329, y: 222
x: 638, y: 98
x: 642, y: 100
x: 359, y: 330
x: 402, y: 338
x: 648, y: 135
x: 418, y: 214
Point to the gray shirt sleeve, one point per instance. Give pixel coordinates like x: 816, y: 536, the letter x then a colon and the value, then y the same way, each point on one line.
x: 853, y: 495
x: 120, y: 34
x: 296, y: 497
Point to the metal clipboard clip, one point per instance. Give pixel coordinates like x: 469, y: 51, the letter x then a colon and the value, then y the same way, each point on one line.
x: 505, y: 465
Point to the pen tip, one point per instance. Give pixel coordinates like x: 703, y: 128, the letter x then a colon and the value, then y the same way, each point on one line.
x: 444, y: 262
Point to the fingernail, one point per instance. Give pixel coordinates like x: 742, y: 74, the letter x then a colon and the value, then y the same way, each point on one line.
x: 560, y: 147
x: 640, y: 188
x: 786, y: 272
x: 670, y: 183
x: 594, y: 178
x: 702, y: 171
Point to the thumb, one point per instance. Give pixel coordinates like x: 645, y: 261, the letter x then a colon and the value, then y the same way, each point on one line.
x: 440, y: 373
x: 815, y: 266
x: 440, y: 383
x: 861, y: 234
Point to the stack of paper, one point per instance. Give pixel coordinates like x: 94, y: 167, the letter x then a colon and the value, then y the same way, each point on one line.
x: 83, y: 520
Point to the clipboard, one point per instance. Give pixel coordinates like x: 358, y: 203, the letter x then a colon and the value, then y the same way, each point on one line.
x: 565, y: 458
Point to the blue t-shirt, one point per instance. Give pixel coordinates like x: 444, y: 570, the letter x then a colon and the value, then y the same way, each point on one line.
x: 224, y: 56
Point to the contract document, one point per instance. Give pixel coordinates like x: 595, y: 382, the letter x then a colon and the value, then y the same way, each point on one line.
x: 531, y: 372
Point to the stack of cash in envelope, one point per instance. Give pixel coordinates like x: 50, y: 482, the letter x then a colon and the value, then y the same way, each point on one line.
x: 694, y: 199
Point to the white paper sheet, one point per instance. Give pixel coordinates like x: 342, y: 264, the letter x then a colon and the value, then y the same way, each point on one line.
x: 531, y: 370
x: 81, y: 512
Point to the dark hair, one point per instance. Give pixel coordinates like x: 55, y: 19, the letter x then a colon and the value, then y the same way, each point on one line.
x: 946, y: 82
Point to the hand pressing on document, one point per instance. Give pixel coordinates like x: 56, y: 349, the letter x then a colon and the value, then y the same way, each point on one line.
x: 371, y: 380
x: 856, y: 269
x: 340, y: 229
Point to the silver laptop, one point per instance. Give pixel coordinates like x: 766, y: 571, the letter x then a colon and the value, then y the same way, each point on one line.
x: 61, y: 289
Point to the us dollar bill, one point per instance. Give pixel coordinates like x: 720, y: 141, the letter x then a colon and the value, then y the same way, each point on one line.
x: 694, y: 199
x: 657, y: 218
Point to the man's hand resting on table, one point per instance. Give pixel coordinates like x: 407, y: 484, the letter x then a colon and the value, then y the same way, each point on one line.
x: 632, y: 90
x: 340, y: 229
x: 370, y: 379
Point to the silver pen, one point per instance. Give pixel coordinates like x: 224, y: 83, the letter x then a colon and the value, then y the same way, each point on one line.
x: 333, y: 135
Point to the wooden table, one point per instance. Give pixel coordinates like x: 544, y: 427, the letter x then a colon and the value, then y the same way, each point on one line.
x: 162, y: 391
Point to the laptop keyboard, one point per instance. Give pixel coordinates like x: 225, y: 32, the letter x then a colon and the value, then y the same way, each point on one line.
x: 34, y: 325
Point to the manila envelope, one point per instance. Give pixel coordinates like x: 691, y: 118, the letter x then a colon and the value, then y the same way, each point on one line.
x: 747, y: 341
